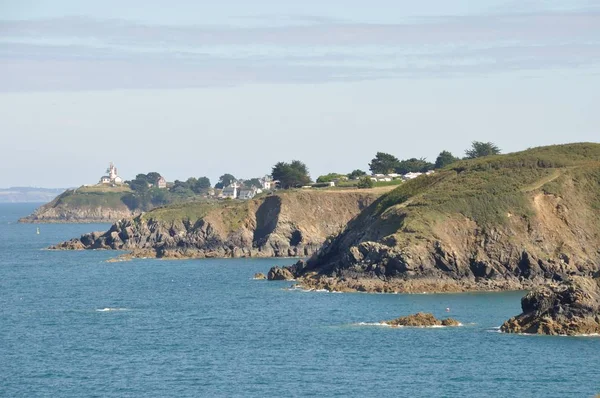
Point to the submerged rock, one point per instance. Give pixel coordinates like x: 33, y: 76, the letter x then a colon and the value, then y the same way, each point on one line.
x: 422, y: 319
x: 569, y: 308
x: 280, y: 274
x: 260, y: 275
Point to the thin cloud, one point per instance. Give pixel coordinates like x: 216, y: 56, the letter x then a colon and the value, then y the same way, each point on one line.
x: 78, y: 53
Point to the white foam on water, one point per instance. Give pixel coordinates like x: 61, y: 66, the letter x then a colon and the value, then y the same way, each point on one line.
x: 109, y: 309
x: 402, y: 326
x: 381, y: 324
x: 497, y: 330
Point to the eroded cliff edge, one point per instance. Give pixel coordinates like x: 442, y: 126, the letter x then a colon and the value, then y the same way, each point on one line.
x: 505, y: 222
x: 290, y: 223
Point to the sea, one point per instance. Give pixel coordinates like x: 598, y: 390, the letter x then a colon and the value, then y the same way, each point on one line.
x: 74, y: 325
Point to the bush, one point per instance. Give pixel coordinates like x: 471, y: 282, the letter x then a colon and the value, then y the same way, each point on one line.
x: 365, y: 182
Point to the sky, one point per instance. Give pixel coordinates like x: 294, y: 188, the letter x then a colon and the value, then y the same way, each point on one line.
x: 192, y: 88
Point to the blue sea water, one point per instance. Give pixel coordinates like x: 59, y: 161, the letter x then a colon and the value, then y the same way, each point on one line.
x: 73, y: 325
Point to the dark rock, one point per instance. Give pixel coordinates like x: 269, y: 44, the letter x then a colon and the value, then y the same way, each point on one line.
x: 569, y: 308
x: 280, y: 274
x: 422, y: 319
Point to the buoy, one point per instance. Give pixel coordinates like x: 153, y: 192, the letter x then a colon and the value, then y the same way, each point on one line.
x: 447, y: 309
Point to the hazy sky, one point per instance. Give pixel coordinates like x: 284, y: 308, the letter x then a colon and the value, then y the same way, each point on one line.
x: 194, y: 88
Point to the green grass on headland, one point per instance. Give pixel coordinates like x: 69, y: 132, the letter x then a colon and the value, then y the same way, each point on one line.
x: 488, y: 189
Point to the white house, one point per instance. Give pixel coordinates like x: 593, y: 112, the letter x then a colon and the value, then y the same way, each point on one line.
x: 249, y: 193
x: 411, y: 175
x: 267, y: 183
x: 231, y: 191
x: 112, y: 177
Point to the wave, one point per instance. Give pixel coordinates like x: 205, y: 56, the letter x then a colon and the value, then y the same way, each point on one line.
x: 109, y: 309
x: 296, y: 288
x: 496, y: 329
x: 402, y: 326
x: 381, y: 324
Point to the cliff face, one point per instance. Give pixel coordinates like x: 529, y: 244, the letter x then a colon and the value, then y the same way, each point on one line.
x: 84, y: 205
x: 504, y: 222
x: 280, y: 225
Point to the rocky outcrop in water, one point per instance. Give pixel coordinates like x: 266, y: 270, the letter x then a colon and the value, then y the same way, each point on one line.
x: 260, y: 276
x: 506, y: 222
x: 568, y: 308
x: 287, y: 224
x: 280, y: 274
x: 421, y: 319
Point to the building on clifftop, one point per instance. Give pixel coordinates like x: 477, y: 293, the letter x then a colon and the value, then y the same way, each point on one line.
x: 112, y: 177
x: 161, y: 182
x: 231, y: 191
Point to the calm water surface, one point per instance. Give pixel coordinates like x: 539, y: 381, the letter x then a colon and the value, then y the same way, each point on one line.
x: 73, y: 325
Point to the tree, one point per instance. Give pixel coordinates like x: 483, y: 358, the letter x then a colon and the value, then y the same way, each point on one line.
x: 191, y: 183
x: 139, y: 185
x: 152, y: 177
x: 290, y: 175
x: 159, y: 197
x: 225, y: 180
x: 480, y: 149
x: 202, y: 185
x: 253, y: 182
x: 356, y: 174
x: 383, y: 163
x: 413, y: 165
x: 365, y: 182
x: 444, y: 159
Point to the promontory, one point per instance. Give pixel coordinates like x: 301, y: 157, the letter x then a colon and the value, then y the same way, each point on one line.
x: 503, y: 222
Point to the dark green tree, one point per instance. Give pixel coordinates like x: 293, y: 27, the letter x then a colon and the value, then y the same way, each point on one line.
x: 191, y: 182
x: 444, y: 159
x: 356, y: 174
x: 139, y: 185
x: 152, y: 177
x: 202, y: 185
x: 413, y: 165
x: 383, y: 163
x: 225, y: 180
x: 159, y: 197
x: 479, y: 149
x: 291, y: 175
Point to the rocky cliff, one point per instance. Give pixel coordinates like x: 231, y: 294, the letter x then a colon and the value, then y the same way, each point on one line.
x: 291, y: 223
x: 568, y: 308
x: 502, y: 222
x: 83, y: 205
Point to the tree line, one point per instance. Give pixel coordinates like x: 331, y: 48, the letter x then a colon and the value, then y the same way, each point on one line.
x: 145, y: 193
x: 385, y: 163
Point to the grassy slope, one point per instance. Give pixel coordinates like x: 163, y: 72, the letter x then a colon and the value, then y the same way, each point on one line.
x: 489, y: 190
x: 91, y: 197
